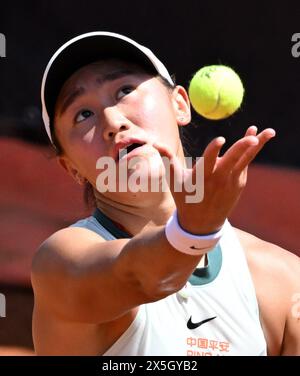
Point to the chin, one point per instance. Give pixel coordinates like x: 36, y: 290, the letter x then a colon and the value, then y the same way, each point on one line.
x: 140, y: 199
x: 138, y: 181
x: 142, y: 176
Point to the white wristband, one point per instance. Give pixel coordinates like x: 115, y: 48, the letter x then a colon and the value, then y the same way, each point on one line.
x: 188, y: 243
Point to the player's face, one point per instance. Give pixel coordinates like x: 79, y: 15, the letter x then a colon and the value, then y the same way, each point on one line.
x: 108, y: 104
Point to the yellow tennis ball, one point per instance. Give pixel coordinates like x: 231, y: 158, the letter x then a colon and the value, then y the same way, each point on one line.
x: 216, y: 92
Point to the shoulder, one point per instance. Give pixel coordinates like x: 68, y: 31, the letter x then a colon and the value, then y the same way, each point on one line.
x: 63, y: 248
x: 269, y: 259
x: 72, y: 275
x: 64, y: 266
x: 275, y: 273
x: 58, y: 258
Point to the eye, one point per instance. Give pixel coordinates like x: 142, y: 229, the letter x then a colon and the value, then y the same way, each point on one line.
x: 82, y: 115
x: 125, y: 90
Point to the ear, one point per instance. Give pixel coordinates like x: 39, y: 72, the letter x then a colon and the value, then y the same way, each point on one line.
x: 181, y: 104
x: 71, y: 169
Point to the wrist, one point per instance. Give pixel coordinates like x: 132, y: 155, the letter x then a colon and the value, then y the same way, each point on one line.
x: 197, y: 228
x: 187, y: 242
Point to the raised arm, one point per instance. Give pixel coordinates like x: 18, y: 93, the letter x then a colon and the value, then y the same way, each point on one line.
x: 79, y: 277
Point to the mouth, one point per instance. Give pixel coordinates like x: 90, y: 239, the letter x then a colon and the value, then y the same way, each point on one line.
x: 126, y: 150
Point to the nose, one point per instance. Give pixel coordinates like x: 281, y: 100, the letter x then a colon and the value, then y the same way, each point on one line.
x: 114, y: 122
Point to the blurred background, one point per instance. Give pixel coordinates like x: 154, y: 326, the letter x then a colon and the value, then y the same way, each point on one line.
x: 38, y: 198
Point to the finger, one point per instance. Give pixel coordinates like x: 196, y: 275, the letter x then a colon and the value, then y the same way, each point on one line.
x: 235, y: 153
x: 174, y: 171
x: 163, y: 150
x: 251, y: 153
x: 211, y: 153
x: 251, y: 131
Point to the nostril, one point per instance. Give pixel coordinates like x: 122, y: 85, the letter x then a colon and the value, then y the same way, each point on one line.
x: 123, y: 127
x: 110, y: 134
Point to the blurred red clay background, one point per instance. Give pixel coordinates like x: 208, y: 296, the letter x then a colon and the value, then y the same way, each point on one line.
x: 37, y: 198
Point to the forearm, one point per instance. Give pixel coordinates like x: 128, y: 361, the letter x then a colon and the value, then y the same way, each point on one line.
x: 158, y: 268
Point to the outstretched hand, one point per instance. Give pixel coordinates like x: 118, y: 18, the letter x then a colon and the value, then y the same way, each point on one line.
x: 224, y: 179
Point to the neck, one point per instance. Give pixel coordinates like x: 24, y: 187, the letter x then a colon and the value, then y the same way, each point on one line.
x: 135, y: 218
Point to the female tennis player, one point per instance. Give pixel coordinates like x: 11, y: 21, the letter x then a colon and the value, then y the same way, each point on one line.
x: 151, y: 271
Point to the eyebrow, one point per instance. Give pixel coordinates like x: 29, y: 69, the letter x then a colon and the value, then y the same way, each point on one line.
x: 78, y: 92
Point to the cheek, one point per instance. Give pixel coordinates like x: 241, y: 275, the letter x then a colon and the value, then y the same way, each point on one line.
x: 88, y: 136
x: 156, y: 115
x: 159, y: 120
x: 85, y: 156
x: 87, y: 143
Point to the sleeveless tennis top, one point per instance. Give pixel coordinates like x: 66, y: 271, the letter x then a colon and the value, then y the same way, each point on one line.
x: 215, y: 314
